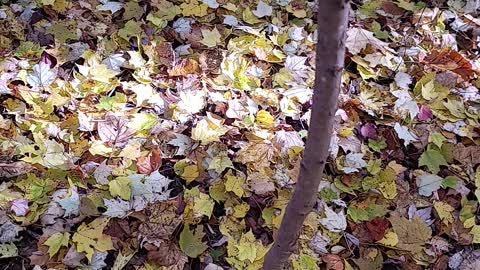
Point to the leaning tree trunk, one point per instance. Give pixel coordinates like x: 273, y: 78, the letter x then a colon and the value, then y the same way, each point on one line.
x: 332, y: 20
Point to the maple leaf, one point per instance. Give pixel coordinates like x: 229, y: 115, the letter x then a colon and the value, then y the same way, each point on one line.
x: 234, y: 184
x: 428, y: 183
x: 358, y: 39
x: 8, y: 250
x: 211, y: 38
x: 262, y: 10
x: 433, y: 159
x: 42, y: 75
x: 115, y: 130
x: 220, y: 162
x: 56, y: 241
x: 334, y: 222
x: 149, y: 163
x: 90, y: 238
x: 116, y: 208
x: 191, y: 243
x: 121, y: 186
x: 444, y: 211
x: 413, y: 234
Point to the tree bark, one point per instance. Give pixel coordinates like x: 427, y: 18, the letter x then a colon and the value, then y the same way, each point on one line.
x: 332, y: 21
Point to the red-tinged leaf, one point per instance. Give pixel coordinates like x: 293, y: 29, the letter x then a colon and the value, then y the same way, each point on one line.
x: 150, y: 163
x: 377, y: 228
x: 448, y: 59
x: 425, y: 114
x: 334, y: 262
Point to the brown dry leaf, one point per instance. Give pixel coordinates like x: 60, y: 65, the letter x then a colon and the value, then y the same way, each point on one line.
x: 38, y: 258
x: 334, y: 262
x: 73, y: 258
x: 8, y: 170
x: 294, y: 172
x: 257, y: 155
x: 185, y: 67
x: 448, y: 59
x: 162, y: 221
x: 114, y: 130
x: 413, y: 234
x: 165, y: 54
x: 467, y: 154
x: 370, y: 258
x: 150, y: 163
x: 210, y: 61
x: 166, y: 253
x: 259, y: 183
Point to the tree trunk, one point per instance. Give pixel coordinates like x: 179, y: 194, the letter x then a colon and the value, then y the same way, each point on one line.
x: 332, y: 21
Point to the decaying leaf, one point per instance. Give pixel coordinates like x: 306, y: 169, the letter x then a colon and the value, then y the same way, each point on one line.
x: 8, y: 170
x: 114, y: 130
x: 150, y: 163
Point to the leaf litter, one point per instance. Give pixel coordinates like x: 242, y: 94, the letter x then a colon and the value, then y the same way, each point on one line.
x: 169, y: 134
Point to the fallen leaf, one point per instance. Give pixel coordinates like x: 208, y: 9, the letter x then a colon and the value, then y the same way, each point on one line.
x: 20, y: 207
x: 114, y: 130
x: 433, y: 159
x: 191, y: 242
x: 428, y: 183
x: 9, y: 170
x: 149, y: 163
x: 413, y: 234
x: 90, y: 238
x: 42, y: 75
x: 56, y: 241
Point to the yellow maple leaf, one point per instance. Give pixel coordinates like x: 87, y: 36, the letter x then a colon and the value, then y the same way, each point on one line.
x: 211, y: 38
x: 389, y: 239
x: 194, y: 8
x: 444, y: 211
x: 90, y: 237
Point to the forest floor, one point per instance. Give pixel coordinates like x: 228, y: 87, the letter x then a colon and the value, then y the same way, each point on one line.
x: 168, y: 135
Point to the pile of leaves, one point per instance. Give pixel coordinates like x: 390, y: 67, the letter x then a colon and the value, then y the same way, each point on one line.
x: 168, y: 134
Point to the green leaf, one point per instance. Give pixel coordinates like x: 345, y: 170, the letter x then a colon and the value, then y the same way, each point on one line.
x: 191, y: 243
x: 444, y: 211
x: 433, y: 159
x: 220, y: 162
x: 132, y: 29
x: 476, y: 234
x: 305, y: 262
x: 358, y: 214
x: 102, y: 73
x: 56, y: 241
x: 455, y: 107
x: 202, y: 203
x: 8, y: 250
x: 246, y: 247
x: 437, y: 139
x: 143, y: 121
x: 387, y: 183
x: 211, y: 38
x: 450, y: 182
x: 377, y: 146
x: 121, y: 186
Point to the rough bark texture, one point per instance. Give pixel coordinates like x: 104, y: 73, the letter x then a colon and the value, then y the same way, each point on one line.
x: 332, y: 20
